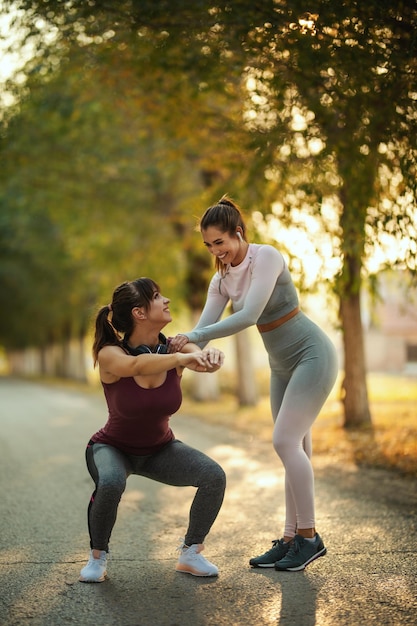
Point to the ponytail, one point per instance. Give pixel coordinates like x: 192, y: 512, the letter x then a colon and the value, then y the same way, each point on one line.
x: 105, y: 334
x: 127, y: 296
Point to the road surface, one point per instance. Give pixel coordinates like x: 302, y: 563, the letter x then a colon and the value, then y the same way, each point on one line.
x: 367, y: 518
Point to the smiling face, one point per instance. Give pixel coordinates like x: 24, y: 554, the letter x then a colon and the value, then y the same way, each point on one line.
x: 156, y: 313
x: 159, y: 308
x: 228, y: 249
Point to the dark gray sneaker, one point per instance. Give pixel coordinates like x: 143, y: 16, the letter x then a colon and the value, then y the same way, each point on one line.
x: 301, y: 553
x: 278, y: 551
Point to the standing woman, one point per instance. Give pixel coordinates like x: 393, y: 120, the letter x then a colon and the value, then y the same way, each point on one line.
x: 141, y: 384
x: 303, y: 361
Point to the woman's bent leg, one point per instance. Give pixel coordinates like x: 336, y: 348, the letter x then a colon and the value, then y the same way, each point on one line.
x: 108, y: 469
x: 181, y: 465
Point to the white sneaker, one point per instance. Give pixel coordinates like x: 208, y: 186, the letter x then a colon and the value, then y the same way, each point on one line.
x: 191, y: 561
x: 96, y: 569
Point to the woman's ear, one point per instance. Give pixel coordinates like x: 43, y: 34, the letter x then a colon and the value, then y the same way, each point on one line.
x: 138, y: 313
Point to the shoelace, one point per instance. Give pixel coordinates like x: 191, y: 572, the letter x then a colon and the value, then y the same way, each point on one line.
x: 275, y: 543
x: 195, y: 552
x: 180, y: 546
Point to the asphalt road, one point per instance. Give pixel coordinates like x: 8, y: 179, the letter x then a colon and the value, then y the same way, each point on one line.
x: 368, y: 520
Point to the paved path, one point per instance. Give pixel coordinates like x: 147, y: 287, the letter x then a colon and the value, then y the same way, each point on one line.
x: 367, y: 518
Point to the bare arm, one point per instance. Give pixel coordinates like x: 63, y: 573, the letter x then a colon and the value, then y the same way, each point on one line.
x: 115, y: 362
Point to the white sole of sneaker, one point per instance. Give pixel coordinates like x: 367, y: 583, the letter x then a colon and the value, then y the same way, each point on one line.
x: 299, y: 568
x: 187, y: 570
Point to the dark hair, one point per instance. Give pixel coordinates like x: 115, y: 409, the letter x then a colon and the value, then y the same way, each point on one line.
x: 227, y: 217
x: 127, y: 296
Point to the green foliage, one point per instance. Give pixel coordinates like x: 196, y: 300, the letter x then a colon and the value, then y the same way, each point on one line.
x: 103, y: 174
x: 139, y: 114
x: 34, y: 270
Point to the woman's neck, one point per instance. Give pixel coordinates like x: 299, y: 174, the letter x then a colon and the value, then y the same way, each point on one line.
x: 241, y: 255
x: 149, y: 338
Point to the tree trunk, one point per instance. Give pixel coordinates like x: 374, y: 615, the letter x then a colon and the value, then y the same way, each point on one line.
x: 246, y: 392
x: 81, y: 369
x: 204, y: 386
x: 354, y: 387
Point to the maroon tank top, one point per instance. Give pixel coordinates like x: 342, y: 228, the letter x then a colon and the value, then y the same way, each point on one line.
x: 138, y: 421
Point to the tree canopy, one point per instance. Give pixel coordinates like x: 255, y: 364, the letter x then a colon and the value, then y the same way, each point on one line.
x: 301, y: 109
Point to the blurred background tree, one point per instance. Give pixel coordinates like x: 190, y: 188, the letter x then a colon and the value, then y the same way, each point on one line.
x: 136, y: 116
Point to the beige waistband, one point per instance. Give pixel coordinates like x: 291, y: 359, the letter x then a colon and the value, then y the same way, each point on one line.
x: 264, y: 328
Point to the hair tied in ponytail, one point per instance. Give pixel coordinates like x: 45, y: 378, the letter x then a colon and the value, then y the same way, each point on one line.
x: 226, y: 201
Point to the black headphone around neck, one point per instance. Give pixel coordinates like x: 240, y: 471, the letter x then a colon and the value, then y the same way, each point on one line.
x: 160, y: 348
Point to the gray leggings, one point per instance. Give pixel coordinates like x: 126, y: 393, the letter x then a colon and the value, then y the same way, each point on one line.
x: 303, y: 371
x: 176, y: 464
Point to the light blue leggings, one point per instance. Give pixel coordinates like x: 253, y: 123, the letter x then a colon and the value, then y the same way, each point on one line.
x: 176, y: 464
x: 304, y: 367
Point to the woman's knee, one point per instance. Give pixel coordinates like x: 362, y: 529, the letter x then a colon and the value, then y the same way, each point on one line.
x: 111, y: 488
x: 282, y: 445
x: 215, y: 476
x: 220, y: 476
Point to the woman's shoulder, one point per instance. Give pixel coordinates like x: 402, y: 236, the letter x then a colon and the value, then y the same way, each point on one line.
x: 112, y: 348
x: 263, y: 250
